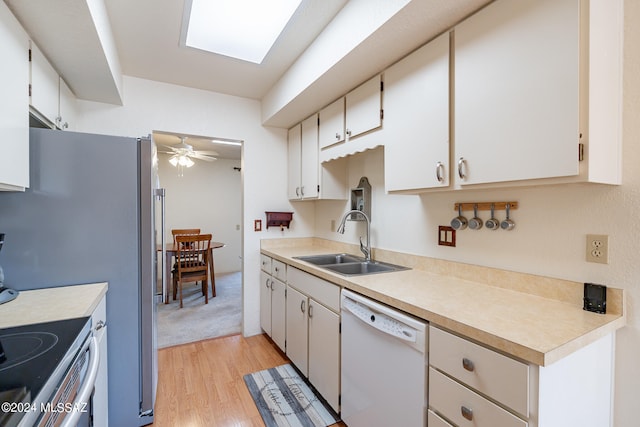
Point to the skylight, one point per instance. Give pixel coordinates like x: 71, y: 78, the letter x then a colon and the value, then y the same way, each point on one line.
x: 243, y: 29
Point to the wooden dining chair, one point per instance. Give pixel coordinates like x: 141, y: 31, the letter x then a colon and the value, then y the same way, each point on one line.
x: 180, y: 232
x: 184, y: 232
x: 192, y: 263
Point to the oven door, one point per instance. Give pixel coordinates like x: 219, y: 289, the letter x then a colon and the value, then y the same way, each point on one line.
x: 71, y: 404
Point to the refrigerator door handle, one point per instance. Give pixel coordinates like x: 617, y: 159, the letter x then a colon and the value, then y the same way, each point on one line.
x: 160, y: 193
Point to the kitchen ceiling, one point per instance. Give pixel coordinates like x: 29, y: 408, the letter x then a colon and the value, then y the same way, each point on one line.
x: 145, y: 40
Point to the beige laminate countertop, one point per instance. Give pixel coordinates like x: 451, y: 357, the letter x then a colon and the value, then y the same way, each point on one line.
x: 539, y: 327
x: 50, y: 304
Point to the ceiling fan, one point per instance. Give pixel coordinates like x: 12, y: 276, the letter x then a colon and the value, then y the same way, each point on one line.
x: 183, y: 153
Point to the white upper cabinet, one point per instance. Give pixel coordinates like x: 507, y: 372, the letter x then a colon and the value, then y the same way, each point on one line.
x: 309, y: 166
x: 44, y: 90
x: 308, y: 179
x: 416, y: 119
x: 331, y: 129
x: 350, y: 125
x: 364, y: 108
x: 294, y: 161
x: 51, y: 98
x: 67, y: 110
x: 523, y: 93
x: 14, y: 103
x: 303, y: 160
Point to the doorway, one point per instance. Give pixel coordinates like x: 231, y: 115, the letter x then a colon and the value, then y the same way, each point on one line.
x: 203, y: 192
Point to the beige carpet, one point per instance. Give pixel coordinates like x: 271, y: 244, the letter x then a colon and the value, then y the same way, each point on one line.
x: 198, y: 321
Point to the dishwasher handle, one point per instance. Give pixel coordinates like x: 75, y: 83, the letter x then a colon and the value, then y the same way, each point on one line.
x: 380, y: 321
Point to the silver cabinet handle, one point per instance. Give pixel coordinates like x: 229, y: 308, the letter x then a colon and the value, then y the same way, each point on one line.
x: 99, y: 325
x: 337, y: 135
x: 348, y: 132
x: 467, y: 413
x: 266, y: 283
x: 440, y: 171
x: 461, y: 166
x: 302, y: 306
x: 468, y: 364
x: 310, y: 310
x: 302, y: 191
x: 297, y: 191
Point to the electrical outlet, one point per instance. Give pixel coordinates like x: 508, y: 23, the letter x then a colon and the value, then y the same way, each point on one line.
x: 598, y: 248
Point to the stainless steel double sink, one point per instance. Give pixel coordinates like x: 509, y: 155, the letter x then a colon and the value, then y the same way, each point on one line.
x: 349, y: 265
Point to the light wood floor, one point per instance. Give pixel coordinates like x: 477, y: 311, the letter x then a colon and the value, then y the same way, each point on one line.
x: 201, y: 384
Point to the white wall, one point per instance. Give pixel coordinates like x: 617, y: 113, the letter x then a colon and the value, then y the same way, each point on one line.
x: 207, y: 196
x: 150, y: 106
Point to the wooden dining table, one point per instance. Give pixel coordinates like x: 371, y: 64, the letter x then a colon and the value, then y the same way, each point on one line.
x: 170, y: 252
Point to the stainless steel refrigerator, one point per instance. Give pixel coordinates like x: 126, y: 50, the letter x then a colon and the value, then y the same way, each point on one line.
x: 89, y: 215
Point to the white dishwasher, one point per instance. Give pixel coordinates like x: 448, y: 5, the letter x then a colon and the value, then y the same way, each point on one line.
x: 384, y: 365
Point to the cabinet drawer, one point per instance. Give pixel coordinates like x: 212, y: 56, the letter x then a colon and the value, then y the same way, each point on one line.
x: 265, y: 263
x: 500, y: 377
x: 279, y: 270
x: 465, y: 407
x: 434, y: 420
x: 320, y: 290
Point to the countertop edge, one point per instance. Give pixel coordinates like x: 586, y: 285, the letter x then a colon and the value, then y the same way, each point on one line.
x: 54, y: 303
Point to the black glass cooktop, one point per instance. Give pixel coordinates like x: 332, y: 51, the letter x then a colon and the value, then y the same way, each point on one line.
x: 30, y: 354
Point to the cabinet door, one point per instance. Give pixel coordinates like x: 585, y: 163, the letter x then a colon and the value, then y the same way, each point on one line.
x: 324, y: 352
x: 331, y: 129
x: 517, y: 76
x: 417, y: 119
x: 14, y: 103
x: 67, y: 111
x: 297, y: 333
x: 278, y: 313
x: 310, y: 162
x: 294, y: 159
x: 44, y: 85
x: 363, y: 108
x: 265, y: 302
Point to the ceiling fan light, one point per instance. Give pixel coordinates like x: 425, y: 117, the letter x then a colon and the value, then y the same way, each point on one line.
x: 174, y: 161
x: 188, y: 162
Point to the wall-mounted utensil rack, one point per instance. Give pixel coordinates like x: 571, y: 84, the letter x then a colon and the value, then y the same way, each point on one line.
x: 279, y: 219
x: 486, y: 206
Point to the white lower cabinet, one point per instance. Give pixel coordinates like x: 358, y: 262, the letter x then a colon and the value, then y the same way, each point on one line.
x: 313, y: 332
x: 471, y: 385
x: 324, y: 352
x: 278, y: 313
x: 272, y: 300
x: 100, y: 400
x: 298, y: 329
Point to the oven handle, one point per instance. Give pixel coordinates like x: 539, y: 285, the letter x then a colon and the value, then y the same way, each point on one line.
x: 87, y: 387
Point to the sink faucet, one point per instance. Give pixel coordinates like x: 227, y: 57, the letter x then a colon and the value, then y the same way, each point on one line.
x: 366, y: 250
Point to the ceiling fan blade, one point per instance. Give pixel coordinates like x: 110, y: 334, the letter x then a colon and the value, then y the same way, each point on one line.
x: 173, y: 149
x: 207, y: 153
x: 202, y: 157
